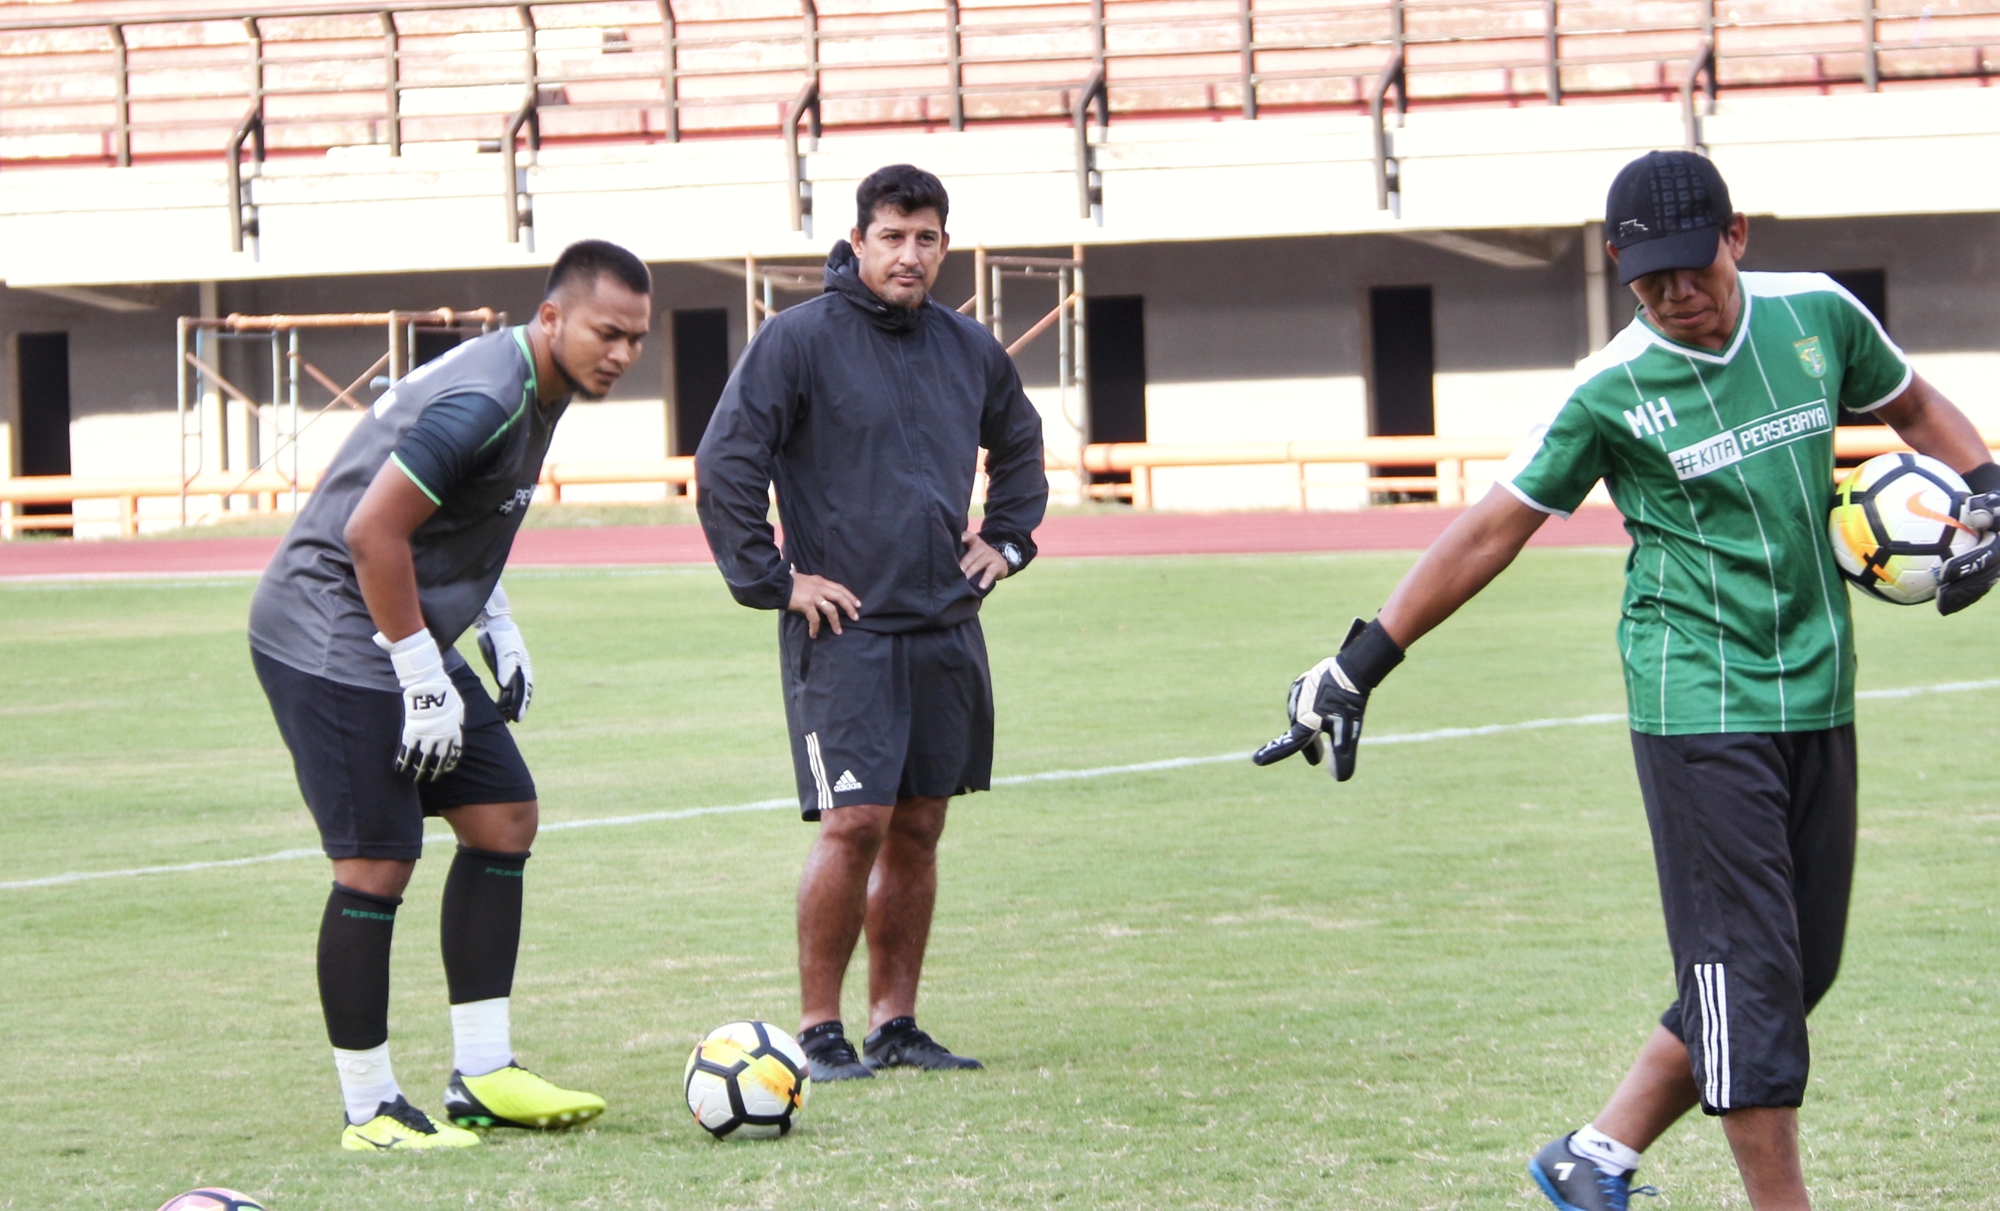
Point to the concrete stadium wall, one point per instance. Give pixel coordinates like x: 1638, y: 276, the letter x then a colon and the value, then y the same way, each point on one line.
x: 1245, y: 340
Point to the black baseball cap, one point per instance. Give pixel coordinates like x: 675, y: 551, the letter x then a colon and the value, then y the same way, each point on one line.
x: 1667, y: 210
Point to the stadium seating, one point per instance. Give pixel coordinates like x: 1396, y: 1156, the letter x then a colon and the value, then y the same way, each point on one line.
x: 110, y: 81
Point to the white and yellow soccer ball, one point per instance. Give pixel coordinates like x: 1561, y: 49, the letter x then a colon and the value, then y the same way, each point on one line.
x: 747, y: 1080
x: 1895, y: 520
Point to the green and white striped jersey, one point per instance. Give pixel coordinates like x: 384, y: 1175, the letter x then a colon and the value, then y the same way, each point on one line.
x: 1735, y: 618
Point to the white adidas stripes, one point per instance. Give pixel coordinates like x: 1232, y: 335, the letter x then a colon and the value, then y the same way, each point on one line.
x: 1712, y: 981
x: 818, y: 763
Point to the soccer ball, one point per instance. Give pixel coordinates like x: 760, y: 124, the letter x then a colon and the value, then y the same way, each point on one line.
x: 211, y: 1198
x: 747, y: 1081
x: 1894, y: 521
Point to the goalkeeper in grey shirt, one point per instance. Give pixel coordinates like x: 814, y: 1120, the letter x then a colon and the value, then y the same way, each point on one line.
x: 396, y: 555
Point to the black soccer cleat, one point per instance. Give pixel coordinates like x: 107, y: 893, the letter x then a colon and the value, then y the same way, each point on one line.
x: 830, y: 1056
x: 897, y: 1043
x: 1575, y: 1183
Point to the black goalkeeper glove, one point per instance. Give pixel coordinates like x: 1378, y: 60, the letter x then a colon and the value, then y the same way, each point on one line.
x: 1964, y: 579
x: 1330, y: 698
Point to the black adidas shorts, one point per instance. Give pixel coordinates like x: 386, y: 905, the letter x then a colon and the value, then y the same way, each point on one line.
x: 344, y: 741
x: 1753, y: 835
x: 876, y: 718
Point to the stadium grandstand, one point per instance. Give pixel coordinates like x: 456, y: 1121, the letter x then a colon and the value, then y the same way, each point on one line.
x: 1289, y: 226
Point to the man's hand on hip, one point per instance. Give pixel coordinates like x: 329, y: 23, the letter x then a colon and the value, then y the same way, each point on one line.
x: 981, y: 564
x: 820, y: 599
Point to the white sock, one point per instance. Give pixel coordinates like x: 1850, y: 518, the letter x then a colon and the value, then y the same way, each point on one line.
x: 480, y: 1038
x: 366, y: 1081
x: 1601, y: 1150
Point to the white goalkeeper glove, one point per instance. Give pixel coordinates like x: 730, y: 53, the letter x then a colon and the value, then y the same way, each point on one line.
x: 433, y: 713
x: 506, y: 655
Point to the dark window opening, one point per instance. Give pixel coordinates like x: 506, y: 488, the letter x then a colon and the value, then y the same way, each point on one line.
x: 1871, y: 287
x: 1115, y: 360
x: 1402, y: 366
x: 433, y: 345
x: 701, y: 369
x: 43, y: 369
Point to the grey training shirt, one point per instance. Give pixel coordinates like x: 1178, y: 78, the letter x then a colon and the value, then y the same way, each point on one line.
x: 467, y: 431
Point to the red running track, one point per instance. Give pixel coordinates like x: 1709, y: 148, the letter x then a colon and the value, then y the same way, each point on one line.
x: 1400, y: 529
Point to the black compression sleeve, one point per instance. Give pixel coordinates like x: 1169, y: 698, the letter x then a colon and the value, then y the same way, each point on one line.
x: 448, y: 443
x: 354, y: 936
x: 481, y: 924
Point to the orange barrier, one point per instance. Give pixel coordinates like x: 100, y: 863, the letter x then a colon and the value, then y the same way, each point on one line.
x: 1449, y: 454
x: 267, y: 488
x: 127, y: 491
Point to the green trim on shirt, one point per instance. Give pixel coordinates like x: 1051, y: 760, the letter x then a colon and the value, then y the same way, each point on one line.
x: 529, y: 393
x: 527, y: 351
x: 412, y: 475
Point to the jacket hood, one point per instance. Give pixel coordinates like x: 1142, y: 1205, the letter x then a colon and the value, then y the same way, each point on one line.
x: 843, y: 277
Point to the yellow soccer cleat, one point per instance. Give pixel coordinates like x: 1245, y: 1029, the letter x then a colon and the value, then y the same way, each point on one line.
x: 515, y: 1097
x: 401, y: 1127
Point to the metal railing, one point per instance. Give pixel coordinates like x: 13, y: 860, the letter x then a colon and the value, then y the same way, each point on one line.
x: 118, y: 89
x: 292, y: 80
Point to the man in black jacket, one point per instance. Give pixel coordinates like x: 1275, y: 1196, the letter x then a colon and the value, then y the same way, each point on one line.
x: 867, y: 408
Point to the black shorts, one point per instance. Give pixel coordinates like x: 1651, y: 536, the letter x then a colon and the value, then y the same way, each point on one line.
x: 877, y: 718
x: 1753, y: 835
x: 344, y: 741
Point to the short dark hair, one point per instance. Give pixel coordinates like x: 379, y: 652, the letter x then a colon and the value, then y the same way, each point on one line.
x: 902, y: 187
x: 587, y: 260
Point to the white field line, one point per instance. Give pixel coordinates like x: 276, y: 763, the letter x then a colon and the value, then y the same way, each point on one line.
x: 1060, y: 775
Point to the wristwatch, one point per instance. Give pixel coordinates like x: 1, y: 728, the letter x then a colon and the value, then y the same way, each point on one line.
x: 1012, y: 554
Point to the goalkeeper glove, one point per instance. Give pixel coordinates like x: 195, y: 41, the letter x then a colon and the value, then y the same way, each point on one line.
x: 1330, y: 698
x: 506, y: 655
x: 433, y: 713
x: 1964, y: 579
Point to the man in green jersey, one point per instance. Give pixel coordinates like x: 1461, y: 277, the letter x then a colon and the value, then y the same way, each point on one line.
x: 1710, y: 420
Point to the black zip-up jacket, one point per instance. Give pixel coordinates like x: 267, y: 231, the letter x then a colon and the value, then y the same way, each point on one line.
x: 869, y: 419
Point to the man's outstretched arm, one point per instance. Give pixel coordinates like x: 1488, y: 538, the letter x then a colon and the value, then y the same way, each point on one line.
x: 1331, y: 697
x: 1464, y: 559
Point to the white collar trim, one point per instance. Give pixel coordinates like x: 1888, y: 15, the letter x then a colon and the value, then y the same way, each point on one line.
x: 1707, y: 355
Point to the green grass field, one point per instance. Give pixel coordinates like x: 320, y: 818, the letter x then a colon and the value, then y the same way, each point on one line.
x: 1212, y: 986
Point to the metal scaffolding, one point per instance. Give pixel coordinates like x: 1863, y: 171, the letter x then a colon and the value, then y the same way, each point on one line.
x: 1068, y: 317
x: 990, y: 274
x: 199, y: 343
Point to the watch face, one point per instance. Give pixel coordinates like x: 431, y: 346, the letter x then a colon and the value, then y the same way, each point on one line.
x: 1010, y: 553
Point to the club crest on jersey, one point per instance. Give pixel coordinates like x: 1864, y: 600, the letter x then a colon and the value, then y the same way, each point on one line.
x: 519, y: 500
x: 1810, y: 357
